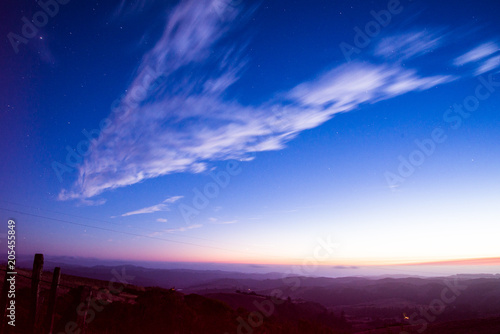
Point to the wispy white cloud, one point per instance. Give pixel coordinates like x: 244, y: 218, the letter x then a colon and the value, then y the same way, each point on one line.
x: 163, y: 206
x: 175, y: 230
x: 350, y: 85
x: 90, y: 202
x: 161, y: 220
x: 128, y: 8
x: 488, y: 65
x: 224, y: 222
x: 187, y: 121
x: 409, y: 80
x: 408, y: 45
x: 478, y: 53
x: 173, y: 199
x: 184, y: 228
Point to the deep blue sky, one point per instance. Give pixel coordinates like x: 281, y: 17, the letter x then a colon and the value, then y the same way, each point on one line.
x: 315, y: 139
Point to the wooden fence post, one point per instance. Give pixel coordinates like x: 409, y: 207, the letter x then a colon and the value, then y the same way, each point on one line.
x: 49, y: 320
x: 36, y: 275
x: 85, y: 296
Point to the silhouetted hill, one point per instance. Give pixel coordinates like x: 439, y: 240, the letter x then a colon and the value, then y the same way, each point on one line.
x: 165, y: 311
x: 156, y: 310
x: 166, y: 278
x: 229, y: 302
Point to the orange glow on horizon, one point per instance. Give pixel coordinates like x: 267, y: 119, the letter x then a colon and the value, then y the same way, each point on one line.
x: 493, y: 261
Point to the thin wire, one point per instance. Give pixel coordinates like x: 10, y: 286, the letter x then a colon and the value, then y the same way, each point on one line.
x: 50, y: 283
x: 170, y: 240
x: 40, y: 280
x: 135, y: 234
x: 116, y: 224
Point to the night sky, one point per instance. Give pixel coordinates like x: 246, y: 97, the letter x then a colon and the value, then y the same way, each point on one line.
x: 231, y: 131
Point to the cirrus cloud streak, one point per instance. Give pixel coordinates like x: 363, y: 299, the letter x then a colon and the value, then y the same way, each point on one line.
x: 188, y: 120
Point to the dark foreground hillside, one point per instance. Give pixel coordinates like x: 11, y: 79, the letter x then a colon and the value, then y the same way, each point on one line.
x: 166, y: 311
x: 158, y: 310
x: 117, y: 307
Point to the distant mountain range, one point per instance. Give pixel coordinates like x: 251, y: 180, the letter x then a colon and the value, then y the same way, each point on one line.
x: 299, y: 304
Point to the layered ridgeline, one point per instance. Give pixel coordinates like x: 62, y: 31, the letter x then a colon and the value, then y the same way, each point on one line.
x: 131, y: 299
